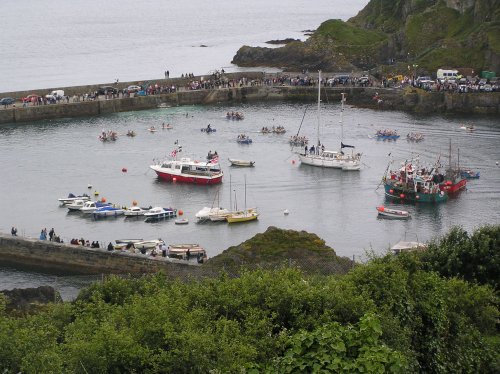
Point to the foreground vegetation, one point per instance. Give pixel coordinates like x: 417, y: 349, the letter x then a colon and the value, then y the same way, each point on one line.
x: 433, y: 311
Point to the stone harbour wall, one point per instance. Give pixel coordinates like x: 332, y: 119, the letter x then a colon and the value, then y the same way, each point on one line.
x: 414, y: 100
x: 71, y: 259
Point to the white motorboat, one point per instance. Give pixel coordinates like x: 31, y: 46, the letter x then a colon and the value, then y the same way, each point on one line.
x: 135, y: 211
x: 92, y: 206
x: 71, y: 198
x: 107, y: 211
x: 75, y: 205
x: 236, y: 162
x: 160, y: 213
x: 393, y: 213
x: 318, y: 156
x: 181, y: 221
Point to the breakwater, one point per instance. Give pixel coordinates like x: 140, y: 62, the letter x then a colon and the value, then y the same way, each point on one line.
x: 71, y: 259
x: 409, y: 99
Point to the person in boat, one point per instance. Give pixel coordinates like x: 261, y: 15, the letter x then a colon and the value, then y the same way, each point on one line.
x: 312, y: 150
x: 163, y: 125
x: 209, y: 128
x: 210, y: 155
x: 13, y: 231
x: 110, y: 246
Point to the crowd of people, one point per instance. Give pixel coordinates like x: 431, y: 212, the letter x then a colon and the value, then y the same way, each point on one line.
x: 298, y: 141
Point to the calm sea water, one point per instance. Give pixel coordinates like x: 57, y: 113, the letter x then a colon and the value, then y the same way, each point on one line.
x: 64, y: 43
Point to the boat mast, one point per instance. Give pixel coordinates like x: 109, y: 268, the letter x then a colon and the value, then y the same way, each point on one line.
x: 342, y: 118
x: 245, y: 193
x: 319, y: 103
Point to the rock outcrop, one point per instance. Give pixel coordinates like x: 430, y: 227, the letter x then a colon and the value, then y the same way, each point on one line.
x: 429, y: 34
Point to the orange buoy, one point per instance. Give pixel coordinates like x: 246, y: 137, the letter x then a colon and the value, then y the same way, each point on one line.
x: 402, y: 196
x: 103, y: 200
x: 417, y: 197
x: 134, y: 203
x: 380, y: 208
x: 391, y: 191
x: 124, y: 170
x: 180, y: 212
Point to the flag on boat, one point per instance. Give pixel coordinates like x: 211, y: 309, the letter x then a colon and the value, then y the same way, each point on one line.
x: 214, y: 160
x: 174, y: 153
x: 342, y: 145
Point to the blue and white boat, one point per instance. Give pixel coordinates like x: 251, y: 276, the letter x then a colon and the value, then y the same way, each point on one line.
x: 91, y: 206
x: 160, y: 213
x: 243, y: 139
x: 107, y: 211
x: 469, y: 174
x: 387, y: 134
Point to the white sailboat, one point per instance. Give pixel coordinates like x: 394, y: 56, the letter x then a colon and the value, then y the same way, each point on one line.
x: 320, y: 157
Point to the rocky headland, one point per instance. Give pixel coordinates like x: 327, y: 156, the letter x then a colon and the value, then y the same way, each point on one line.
x: 388, y: 36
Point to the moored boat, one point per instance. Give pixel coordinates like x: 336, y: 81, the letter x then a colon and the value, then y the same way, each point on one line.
x: 135, y: 211
x: 92, y: 206
x: 186, y: 251
x: 160, y: 213
x: 205, y: 213
x: 75, y: 205
x: 393, y: 213
x: 244, y: 216
x: 469, y: 174
x: 71, y: 198
x: 236, y: 162
x: 181, y: 221
x: 186, y: 170
x: 107, y: 211
x: 320, y: 157
x: 412, y: 183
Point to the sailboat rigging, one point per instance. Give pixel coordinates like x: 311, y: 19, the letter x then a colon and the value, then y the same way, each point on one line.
x: 318, y: 156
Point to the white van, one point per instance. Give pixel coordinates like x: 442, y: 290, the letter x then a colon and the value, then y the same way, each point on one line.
x: 447, y: 75
x: 55, y: 94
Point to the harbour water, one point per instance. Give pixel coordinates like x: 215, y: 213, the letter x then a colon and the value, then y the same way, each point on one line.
x: 46, y: 160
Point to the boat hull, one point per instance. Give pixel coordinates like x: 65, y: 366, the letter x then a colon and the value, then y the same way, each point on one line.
x: 320, y: 161
x: 242, y: 217
x: 454, y: 187
x: 392, y: 213
x: 406, y: 195
x: 186, y: 178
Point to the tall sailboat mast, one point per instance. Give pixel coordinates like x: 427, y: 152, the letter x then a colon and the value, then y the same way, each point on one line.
x: 319, y: 103
x: 342, y: 118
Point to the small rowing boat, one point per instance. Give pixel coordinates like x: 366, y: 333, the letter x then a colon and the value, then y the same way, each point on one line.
x: 181, y: 221
x: 236, y: 162
x: 392, y: 213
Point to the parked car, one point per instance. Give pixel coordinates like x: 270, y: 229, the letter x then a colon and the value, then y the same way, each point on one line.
x: 30, y: 98
x: 486, y: 88
x: 56, y: 94
x: 7, y: 101
x: 107, y: 89
x: 133, y: 88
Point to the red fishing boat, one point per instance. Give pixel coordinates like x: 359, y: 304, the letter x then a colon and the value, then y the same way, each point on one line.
x: 186, y: 170
x: 453, y: 181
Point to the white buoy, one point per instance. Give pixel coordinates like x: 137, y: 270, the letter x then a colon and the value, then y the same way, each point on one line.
x: 286, y: 212
x: 497, y: 163
x: 89, y: 186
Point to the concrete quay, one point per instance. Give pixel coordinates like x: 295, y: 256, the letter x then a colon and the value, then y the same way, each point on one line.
x: 72, y: 259
x: 409, y: 99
